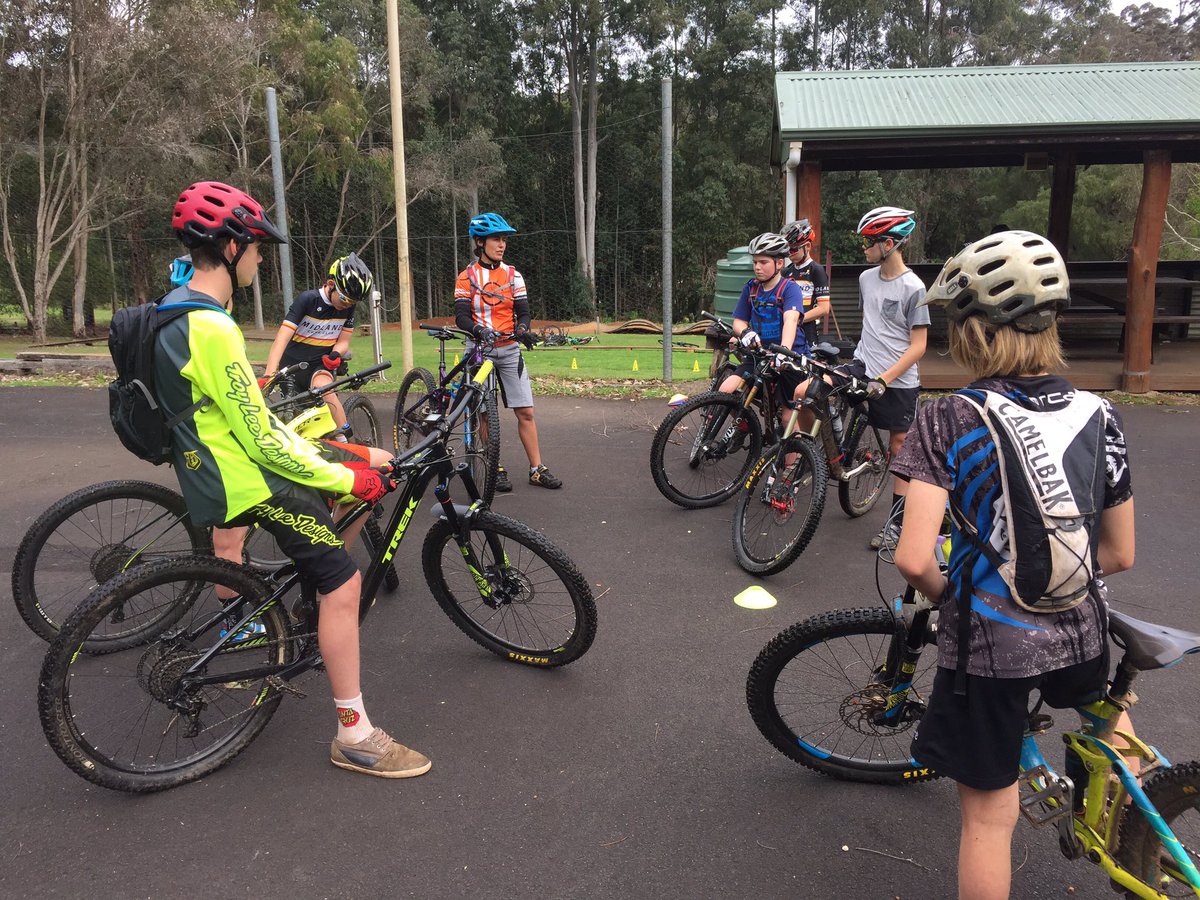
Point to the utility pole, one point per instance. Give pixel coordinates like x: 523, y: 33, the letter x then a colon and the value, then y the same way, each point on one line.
x: 404, y: 276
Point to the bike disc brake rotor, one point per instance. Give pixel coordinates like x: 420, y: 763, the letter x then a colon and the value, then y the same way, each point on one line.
x: 861, y: 710
x: 509, y: 586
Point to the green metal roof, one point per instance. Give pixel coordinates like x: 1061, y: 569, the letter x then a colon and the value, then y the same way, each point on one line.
x: 986, y: 100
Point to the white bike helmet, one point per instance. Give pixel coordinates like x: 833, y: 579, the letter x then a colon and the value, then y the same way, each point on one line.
x: 1015, y: 278
x: 769, y: 244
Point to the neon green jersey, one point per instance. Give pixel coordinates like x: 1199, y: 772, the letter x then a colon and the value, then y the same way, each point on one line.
x: 233, y: 453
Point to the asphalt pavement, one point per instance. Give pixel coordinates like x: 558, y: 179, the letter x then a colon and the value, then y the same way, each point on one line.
x: 634, y: 772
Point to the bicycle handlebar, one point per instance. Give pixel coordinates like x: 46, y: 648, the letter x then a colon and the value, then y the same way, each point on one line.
x: 355, y: 380
x: 806, y: 364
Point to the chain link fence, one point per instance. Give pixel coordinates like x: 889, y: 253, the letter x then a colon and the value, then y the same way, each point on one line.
x: 333, y: 211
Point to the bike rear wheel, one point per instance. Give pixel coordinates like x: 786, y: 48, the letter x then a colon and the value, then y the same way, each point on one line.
x: 704, y: 449
x: 1175, y: 793
x: 363, y: 420
x: 88, y: 537
x: 779, y: 507
x: 108, y: 717
x: 413, y: 404
x: 528, y: 603
x: 865, y: 446
x: 815, y: 689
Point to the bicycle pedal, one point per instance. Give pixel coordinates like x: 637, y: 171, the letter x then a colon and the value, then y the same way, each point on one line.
x: 280, y: 685
x: 1044, y: 797
x: 1038, y: 724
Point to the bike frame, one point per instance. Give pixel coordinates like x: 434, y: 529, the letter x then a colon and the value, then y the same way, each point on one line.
x: 1095, y: 833
x: 418, y: 467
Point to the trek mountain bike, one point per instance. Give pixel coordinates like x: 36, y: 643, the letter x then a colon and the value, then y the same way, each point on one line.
x: 96, y: 532
x: 477, y: 438
x: 842, y: 693
x: 185, y: 693
x: 782, y: 497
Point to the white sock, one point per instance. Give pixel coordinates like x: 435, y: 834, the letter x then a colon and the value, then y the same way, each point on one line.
x: 353, y: 724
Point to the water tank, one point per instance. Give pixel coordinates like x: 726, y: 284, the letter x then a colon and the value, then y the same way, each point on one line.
x: 732, y: 274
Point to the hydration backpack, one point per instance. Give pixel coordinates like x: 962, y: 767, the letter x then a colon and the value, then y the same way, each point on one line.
x: 1052, y: 467
x: 133, y: 405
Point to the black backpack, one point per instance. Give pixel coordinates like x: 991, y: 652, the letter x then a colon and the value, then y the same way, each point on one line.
x: 133, y: 406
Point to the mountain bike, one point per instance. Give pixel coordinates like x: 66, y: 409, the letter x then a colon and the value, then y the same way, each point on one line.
x: 96, y: 532
x: 477, y: 438
x: 183, y: 695
x: 556, y: 336
x: 843, y: 691
x: 782, y: 497
x: 287, y: 400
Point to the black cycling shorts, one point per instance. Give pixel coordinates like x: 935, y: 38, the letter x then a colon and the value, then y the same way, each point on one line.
x: 976, y: 739
x: 895, y: 410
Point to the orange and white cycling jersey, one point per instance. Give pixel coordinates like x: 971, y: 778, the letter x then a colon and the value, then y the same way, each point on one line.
x: 492, y: 294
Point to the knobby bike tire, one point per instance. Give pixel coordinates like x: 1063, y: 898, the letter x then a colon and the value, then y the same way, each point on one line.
x: 1174, y: 792
x: 834, y: 734
x: 91, y: 535
x: 860, y: 494
x: 540, y: 611
x: 479, y: 446
x: 408, y: 426
x: 704, y: 449
x: 107, y: 717
x: 772, y: 524
x: 363, y: 420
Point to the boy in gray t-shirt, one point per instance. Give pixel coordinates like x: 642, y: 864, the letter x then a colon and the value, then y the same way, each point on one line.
x: 894, y: 334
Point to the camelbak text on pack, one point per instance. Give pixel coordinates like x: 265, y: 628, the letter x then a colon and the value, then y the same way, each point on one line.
x: 1052, y: 484
x: 133, y: 406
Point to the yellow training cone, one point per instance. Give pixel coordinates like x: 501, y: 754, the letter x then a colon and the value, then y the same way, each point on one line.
x: 574, y: 363
x: 456, y: 359
x: 635, y: 365
x: 695, y: 365
x: 755, y: 597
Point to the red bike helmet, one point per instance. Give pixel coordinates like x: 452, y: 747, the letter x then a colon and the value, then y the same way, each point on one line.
x: 209, y: 212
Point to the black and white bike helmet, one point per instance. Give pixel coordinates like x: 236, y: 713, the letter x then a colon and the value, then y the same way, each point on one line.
x: 769, y: 244
x: 1015, y: 278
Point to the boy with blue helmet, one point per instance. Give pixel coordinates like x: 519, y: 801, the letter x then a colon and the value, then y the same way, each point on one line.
x: 490, y: 300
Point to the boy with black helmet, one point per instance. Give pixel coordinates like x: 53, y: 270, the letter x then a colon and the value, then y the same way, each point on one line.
x: 240, y: 466
x: 1002, y: 295
x: 808, y: 274
x: 490, y: 299
x: 318, y: 328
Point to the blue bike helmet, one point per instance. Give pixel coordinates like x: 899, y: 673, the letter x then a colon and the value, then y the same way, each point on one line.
x: 489, y: 224
x: 181, y: 271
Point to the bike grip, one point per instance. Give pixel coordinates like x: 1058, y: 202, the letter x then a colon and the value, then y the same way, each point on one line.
x: 373, y: 369
x: 710, y: 317
x: 426, y: 327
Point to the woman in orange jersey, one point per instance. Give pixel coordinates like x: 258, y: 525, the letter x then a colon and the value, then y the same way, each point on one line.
x: 490, y: 302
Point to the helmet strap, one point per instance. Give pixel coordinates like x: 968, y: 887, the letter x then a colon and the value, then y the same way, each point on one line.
x: 231, y: 268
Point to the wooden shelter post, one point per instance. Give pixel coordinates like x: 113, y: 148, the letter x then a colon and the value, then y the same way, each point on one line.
x: 808, y: 200
x: 1143, y: 269
x: 1062, y: 197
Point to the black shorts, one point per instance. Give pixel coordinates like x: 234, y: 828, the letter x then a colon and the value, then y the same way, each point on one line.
x: 976, y: 739
x: 300, y: 521
x: 895, y: 410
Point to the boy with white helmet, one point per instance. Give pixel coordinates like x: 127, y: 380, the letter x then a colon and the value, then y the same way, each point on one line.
x: 894, y: 334
x: 1002, y: 295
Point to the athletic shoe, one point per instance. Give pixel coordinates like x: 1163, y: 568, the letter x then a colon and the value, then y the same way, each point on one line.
x: 888, y: 537
x: 379, y: 755
x: 541, y: 475
x: 251, y: 630
x: 503, y: 485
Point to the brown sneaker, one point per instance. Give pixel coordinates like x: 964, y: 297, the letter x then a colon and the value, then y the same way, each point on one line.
x: 541, y: 475
x: 379, y: 755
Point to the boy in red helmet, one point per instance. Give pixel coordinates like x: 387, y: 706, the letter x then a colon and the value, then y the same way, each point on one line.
x: 239, y: 466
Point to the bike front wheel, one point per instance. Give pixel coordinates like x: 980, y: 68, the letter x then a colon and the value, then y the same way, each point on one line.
x: 362, y: 419
x: 413, y: 404
x: 526, y: 602
x: 88, y: 537
x: 818, y: 689
x: 704, y: 449
x: 128, y: 720
x: 865, y: 449
x: 1175, y: 793
x: 780, y: 507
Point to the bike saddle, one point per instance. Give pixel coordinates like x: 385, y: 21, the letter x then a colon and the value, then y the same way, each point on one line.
x: 1150, y: 646
x: 826, y: 353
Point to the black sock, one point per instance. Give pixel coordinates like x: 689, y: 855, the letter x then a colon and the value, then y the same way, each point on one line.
x: 898, y: 509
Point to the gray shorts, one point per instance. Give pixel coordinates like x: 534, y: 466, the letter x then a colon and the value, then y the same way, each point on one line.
x: 515, y: 388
